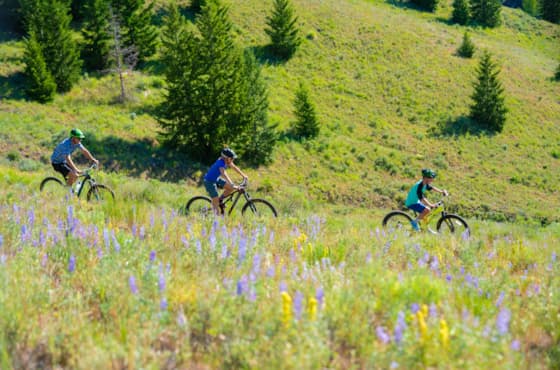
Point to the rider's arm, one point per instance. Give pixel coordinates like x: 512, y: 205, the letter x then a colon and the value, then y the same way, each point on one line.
x: 72, y: 165
x: 241, y: 173
x: 225, y: 176
x: 444, y: 192
x: 89, y: 156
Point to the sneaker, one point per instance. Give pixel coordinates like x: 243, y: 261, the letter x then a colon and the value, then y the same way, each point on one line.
x: 414, y: 224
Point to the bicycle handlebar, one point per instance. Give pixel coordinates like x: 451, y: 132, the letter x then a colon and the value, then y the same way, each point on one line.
x: 88, y: 170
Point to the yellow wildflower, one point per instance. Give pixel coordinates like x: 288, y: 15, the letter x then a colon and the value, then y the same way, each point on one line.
x: 444, y: 333
x: 286, y: 308
x: 312, y: 307
x: 422, y: 327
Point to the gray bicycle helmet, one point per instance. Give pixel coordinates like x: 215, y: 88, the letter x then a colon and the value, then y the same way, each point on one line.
x: 227, y: 152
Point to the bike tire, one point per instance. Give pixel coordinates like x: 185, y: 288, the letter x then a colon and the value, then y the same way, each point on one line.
x: 100, y: 193
x: 453, y: 224
x: 260, y: 208
x: 199, y: 205
x: 49, y: 180
x: 397, y: 220
x: 54, y: 188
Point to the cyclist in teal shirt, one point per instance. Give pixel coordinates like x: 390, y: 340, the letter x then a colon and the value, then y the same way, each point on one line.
x: 217, y: 177
x: 416, y: 200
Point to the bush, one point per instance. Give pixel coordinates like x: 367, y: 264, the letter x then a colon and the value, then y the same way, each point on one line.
x: 467, y: 48
x: 29, y: 165
x: 429, y: 5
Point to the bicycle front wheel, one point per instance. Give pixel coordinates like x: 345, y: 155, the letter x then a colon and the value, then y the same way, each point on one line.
x: 453, y: 224
x: 259, y: 208
x: 100, y: 193
x: 54, y: 188
x: 397, y: 220
x: 199, y: 205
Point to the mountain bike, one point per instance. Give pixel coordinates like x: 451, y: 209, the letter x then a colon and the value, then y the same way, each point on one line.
x: 202, y: 205
x: 55, y: 187
x: 447, y: 223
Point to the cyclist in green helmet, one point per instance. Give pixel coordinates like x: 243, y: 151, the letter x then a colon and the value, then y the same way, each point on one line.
x: 416, y: 200
x: 61, y: 158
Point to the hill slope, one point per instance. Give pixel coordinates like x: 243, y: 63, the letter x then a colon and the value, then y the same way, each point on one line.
x: 391, y: 95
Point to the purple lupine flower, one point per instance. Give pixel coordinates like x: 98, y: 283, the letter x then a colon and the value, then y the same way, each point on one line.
x: 256, y: 264
x: 142, y: 233
x: 368, y: 257
x: 106, y: 239
x: 44, y: 260
x: 400, y: 327
x: 502, y: 321
x: 181, y: 319
x: 271, y: 237
x: 1, y: 240
x: 515, y: 345
x: 24, y: 233
x: 433, y: 311
x: 225, y: 251
x: 99, y: 253
x: 115, y: 242
x: 298, y: 304
x: 553, y: 257
x: 152, y: 256
x: 283, y: 287
x: 31, y: 218
x: 242, y: 251
x: 161, y: 279
x: 500, y: 299
x: 270, y: 271
x: 198, y: 246
x: 72, y: 264
x: 132, y: 285
x: 252, y: 294
x: 134, y: 229
x: 394, y: 364
x: 163, y: 304
x: 415, y: 307
x: 319, y: 296
x: 466, y: 234
x: 382, y: 335
x: 448, y: 277
x: 242, y: 285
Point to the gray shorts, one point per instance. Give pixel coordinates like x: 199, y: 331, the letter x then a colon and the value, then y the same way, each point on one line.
x: 212, y: 187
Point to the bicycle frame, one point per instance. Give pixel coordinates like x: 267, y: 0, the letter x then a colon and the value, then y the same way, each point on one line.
x: 234, y: 198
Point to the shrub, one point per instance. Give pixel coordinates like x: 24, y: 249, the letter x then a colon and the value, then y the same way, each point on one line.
x: 466, y: 50
x: 429, y: 5
x: 461, y: 12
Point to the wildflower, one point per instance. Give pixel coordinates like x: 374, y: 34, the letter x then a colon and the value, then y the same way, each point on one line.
x: 161, y: 280
x: 283, y: 286
x: 433, y: 311
x: 298, y: 304
x: 152, y: 256
x: 415, y: 307
x: 444, y: 333
x: 242, y: 285
x: 106, y: 239
x: 1, y: 241
x: 312, y: 308
x: 319, y: 295
x: 181, y: 319
x: 422, y: 327
x: 382, y: 335
x: 286, y: 308
x: 400, y: 328
x: 502, y: 321
x: 163, y: 304
x: 515, y: 345
x: 72, y: 264
x: 500, y: 299
x: 116, y: 242
x: 132, y: 285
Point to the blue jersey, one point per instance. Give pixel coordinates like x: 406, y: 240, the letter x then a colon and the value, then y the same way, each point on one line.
x: 63, y: 150
x: 416, y: 193
x: 214, y: 171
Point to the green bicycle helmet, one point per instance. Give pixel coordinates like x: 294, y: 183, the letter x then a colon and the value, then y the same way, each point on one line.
x: 76, y: 132
x: 426, y: 172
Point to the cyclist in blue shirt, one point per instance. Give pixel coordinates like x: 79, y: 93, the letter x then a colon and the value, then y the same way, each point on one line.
x: 416, y: 200
x: 61, y: 158
x: 217, y: 177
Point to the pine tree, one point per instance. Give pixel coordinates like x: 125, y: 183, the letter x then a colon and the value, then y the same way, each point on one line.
x: 466, y: 50
x: 487, y: 13
x: 306, y: 125
x: 40, y: 85
x: 489, y: 108
x: 135, y: 19
x: 259, y: 137
x: 550, y: 10
x: 50, y: 22
x: 97, y: 36
x: 282, y: 29
x: 460, y: 13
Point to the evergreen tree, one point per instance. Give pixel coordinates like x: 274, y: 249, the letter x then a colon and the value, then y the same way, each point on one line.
x: 97, y: 36
x: 40, y: 85
x: 429, y: 5
x: 306, y: 125
x: 259, y: 137
x: 466, y: 50
x: 550, y: 10
x: 557, y: 74
x: 282, y: 29
x: 530, y: 7
x: 196, y: 5
x: 135, y: 19
x: 487, y: 13
x: 460, y: 13
x: 489, y: 108
x: 50, y: 22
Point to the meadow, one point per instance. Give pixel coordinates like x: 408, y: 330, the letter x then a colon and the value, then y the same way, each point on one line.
x: 135, y: 284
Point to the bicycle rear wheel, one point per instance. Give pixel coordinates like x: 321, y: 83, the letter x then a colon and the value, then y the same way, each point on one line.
x: 100, y: 193
x: 259, y: 208
x: 397, y: 220
x: 453, y: 224
x: 199, y: 205
x: 54, y: 188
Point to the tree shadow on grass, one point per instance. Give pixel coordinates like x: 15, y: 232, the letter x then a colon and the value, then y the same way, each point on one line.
x: 459, y: 126
x: 144, y: 158
x: 11, y: 87
x: 265, y: 55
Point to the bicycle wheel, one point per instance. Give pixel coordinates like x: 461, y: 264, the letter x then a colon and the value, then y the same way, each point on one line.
x: 100, y: 193
x: 259, y: 208
x: 453, y: 224
x: 397, y: 220
x: 54, y: 188
x: 199, y: 205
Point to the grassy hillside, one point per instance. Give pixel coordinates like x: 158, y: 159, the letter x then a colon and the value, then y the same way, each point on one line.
x: 390, y: 92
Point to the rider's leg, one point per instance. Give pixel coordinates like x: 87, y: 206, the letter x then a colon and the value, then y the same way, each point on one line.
x: 72, y: 177
x: 216, y: 205
x: 212, y: 189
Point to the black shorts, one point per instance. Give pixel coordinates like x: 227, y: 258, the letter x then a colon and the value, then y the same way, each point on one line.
x: 63, y: 168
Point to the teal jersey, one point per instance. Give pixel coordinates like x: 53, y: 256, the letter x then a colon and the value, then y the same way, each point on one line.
x: 416, y: 193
